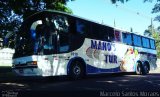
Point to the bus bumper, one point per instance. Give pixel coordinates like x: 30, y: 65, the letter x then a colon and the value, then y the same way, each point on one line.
x: 27, y: 71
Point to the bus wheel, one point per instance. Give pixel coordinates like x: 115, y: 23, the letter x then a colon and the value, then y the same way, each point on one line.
x: 139, y: 68
x: 76, y: 70
x: 145, y: 69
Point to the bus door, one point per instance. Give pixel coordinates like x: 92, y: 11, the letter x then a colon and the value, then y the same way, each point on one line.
x: 61, y: 42
x: 56, y: 59
x: 48, y: 48
x: 58, y: 40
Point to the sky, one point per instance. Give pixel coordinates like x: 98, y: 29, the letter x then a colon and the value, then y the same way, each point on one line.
x: 134, y: 14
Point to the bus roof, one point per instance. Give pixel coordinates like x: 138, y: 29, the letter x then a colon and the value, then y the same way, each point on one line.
x: 55, y: 11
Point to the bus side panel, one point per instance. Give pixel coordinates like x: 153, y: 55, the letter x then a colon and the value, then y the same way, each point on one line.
x: 148, y: 55
x: 54, y: 65
x: 104, y: 56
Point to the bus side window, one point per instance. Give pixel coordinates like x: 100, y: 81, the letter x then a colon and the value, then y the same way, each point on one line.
x: 106, y: 33
x: 95, y: 31
x: 80, y: 27
x: 64, y: 43
x: 78, y: 31
x: 62, y: 25
x: 145, y: 42
x: 110, y: 32
x: 152, y: 44
x: 117, y: 36
x: 127, y: 39
x: 137, y: 40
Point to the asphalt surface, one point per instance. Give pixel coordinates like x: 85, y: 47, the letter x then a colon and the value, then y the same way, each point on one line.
x: 95, y: 85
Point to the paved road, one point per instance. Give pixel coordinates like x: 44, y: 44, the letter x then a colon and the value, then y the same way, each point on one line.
x: 98, y: 85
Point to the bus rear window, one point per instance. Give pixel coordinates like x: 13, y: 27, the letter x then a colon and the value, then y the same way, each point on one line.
x: 152, y: 44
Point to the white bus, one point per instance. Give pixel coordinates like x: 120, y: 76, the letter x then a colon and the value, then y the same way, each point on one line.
x: 53, y: 43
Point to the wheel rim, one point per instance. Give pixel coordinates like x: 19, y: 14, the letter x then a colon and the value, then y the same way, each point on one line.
x: 76, y: 70
x: 138, y: 69
x: 146, y: 68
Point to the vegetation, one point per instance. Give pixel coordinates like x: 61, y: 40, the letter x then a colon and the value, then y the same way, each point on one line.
x: 156, y: 36
x: 122, y: 1
x: 155, y: 33
x: 151, y: 31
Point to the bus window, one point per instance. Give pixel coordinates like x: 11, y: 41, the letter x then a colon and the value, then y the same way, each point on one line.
x: 43, y: 43
x: 136, y: 40
x: 64, y: 43
x: 52, y: 35
x: 117, y: 35
x: 80, y: 27
x: 110, y: 32
x: 60, y: 23
x: 95, y: 31
x: 127, y: 38
x: 103, y: 33
x: 145, y: 42
x: 152, y: 44
x: 106, y: 33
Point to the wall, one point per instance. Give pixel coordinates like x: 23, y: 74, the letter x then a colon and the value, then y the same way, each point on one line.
x: 6, y: 56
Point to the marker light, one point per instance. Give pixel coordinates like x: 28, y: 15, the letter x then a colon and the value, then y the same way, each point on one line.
x: 32, y: 63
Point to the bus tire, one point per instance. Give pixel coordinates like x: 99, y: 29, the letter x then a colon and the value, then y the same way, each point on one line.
x: 77, y: 70
x: 139, y: 68
x: 145, y: 69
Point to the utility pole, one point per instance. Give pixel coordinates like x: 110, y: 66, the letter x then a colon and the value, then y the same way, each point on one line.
x: 131, y: 29
x: 114, y: 23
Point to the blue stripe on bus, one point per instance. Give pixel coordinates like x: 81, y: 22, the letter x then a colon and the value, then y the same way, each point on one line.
x: 92, y: 69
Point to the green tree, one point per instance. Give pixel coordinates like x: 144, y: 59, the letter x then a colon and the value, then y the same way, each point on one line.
x: 28, y: 7
x: 149, y: 31
x: 156, y: 36
x: 155, y: 33
x: 122, y: 1
x: 156, y: 9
